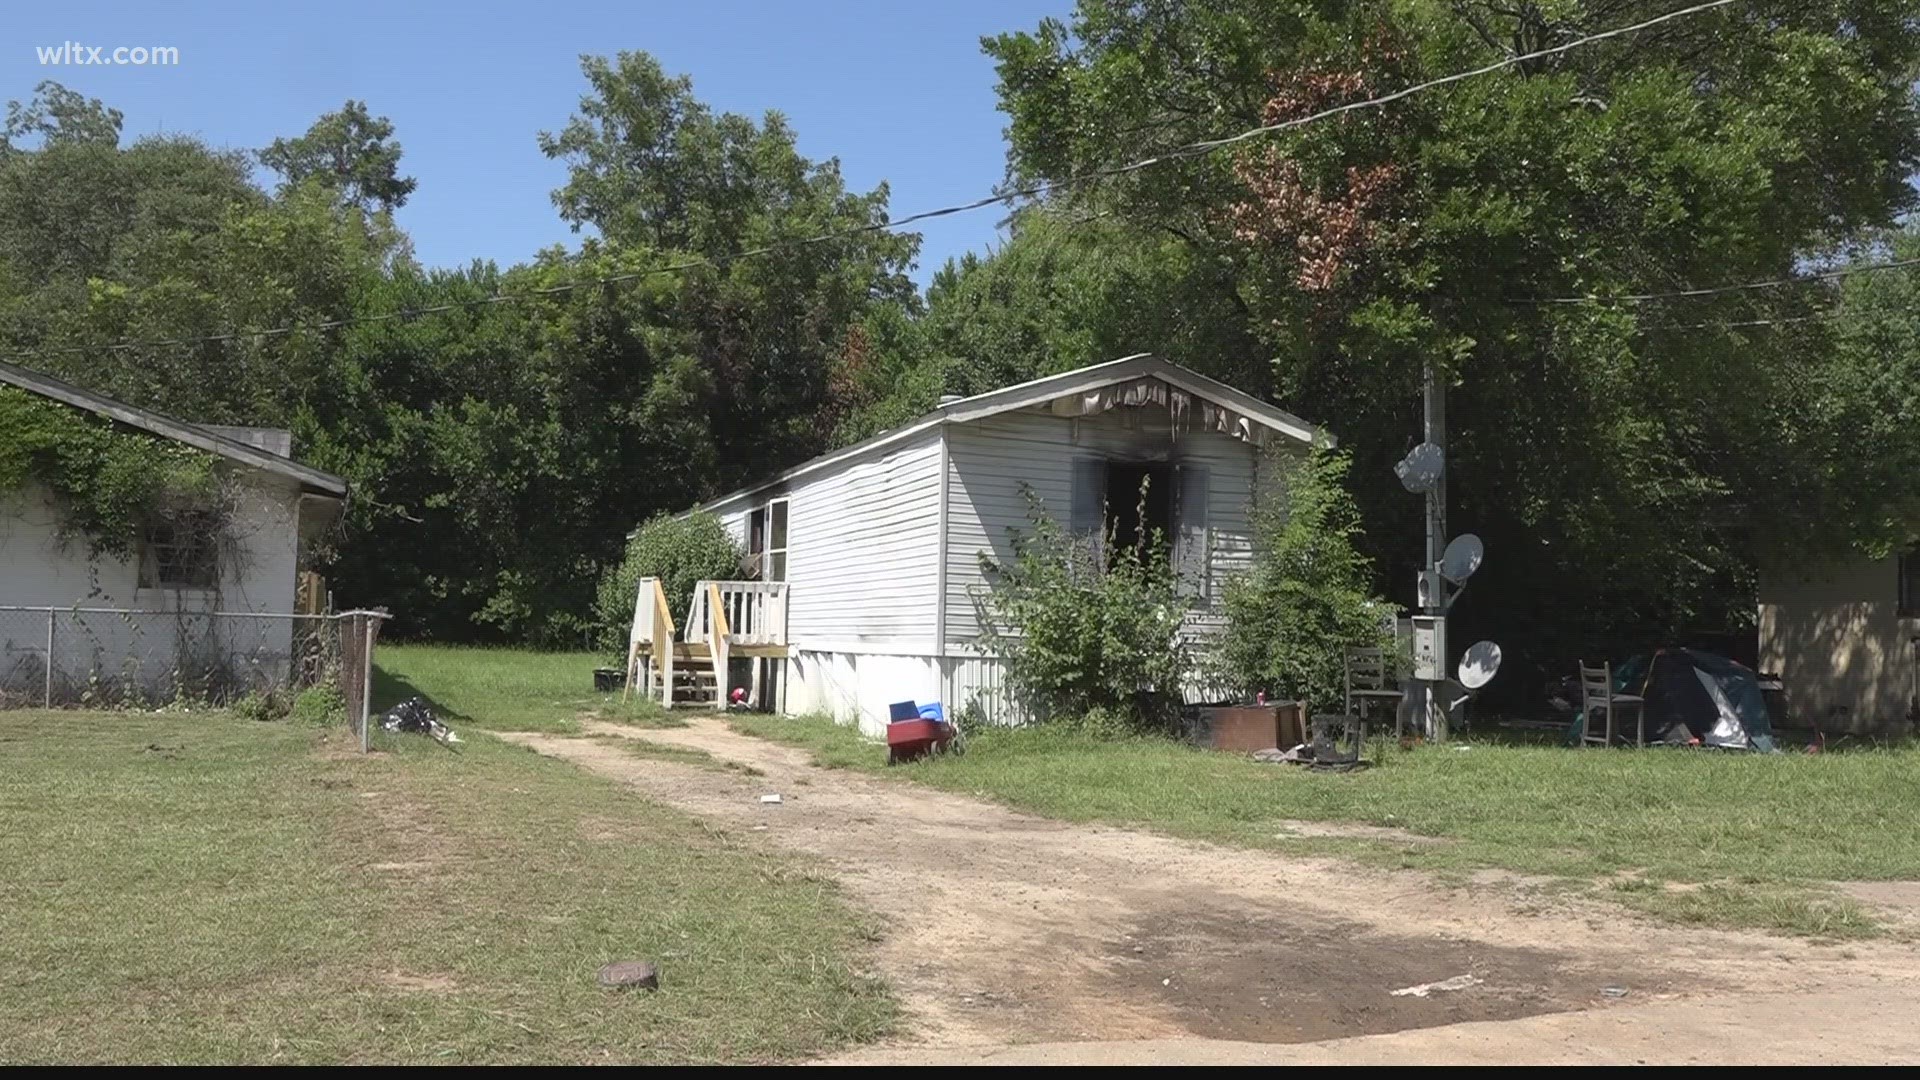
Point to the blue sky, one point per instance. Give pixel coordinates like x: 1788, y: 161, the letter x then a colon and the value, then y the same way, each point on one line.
x: 899, y: 92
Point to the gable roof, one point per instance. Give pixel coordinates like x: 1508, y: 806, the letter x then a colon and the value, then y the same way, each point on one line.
x: 179, y: 431
x: 1039, y: 391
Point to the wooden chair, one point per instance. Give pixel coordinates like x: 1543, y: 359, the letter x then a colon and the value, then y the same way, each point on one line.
x: 1370, y: 682
x: 1597, y: 698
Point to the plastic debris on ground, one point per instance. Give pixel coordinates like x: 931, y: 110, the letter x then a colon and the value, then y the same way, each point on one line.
x: 415, y: 716
x: 1458, y: 982
x: 1305, y: 755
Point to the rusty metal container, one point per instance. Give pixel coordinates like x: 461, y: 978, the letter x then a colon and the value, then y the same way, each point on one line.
x: 1246, y: 728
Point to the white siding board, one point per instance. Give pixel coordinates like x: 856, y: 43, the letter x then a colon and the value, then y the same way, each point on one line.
x: 734, y: 520
x: 863, y: 550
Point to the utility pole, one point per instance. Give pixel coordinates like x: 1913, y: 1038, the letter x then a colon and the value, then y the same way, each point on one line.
x: 1435, y: 691
x: 1434, y: 603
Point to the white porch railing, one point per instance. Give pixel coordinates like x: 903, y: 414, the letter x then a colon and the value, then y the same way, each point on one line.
x: 652, y: 625
x: 754, y: 612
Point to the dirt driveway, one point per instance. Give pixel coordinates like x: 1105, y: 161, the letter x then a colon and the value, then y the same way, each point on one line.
x: 1014, y: 938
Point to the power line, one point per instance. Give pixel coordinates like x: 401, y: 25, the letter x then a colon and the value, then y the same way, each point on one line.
x: 1188, y: 150
x: 1745, y: 323
x: 1722, y: 290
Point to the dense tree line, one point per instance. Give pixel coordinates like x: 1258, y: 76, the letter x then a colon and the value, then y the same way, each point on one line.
x: 499, y: 452
x: 1630, y: 463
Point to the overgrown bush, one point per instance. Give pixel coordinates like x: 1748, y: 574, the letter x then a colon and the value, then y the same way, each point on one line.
x: 263, y: 705
x: 319, y: 706
x: 109, y: 480
x: 1308, y: 596
x: 1088, y: 627
x: 680, y: 552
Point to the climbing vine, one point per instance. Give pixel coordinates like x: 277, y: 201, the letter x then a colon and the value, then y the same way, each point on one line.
x: 109, y: 481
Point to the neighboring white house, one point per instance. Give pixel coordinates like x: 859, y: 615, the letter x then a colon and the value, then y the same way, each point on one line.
x: 199, y: 604
x: 1845, y: 640
x: 880, y: 543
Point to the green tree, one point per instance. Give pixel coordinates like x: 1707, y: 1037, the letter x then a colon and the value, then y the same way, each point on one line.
x: 1855, y: 451
x: 1066, y: 290
x: 350, y: 152
x: 658, y: 173
x: 1617, y: 458
x: 58, y: 116
x: 506, y: 449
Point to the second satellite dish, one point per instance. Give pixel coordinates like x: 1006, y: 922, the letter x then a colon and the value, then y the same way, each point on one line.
x: 1462, y: 558
x: 1420, y: 470
x: 1478, y: 666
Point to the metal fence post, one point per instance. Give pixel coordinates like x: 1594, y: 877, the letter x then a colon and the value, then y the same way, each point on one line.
x: 47, y: 692
x: 366, y: 682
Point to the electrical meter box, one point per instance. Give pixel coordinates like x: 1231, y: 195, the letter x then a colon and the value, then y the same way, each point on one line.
x: 1430, y: 647
x: 1432, y: 593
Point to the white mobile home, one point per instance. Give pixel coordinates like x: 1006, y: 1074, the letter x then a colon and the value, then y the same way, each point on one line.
x: 879, y: 544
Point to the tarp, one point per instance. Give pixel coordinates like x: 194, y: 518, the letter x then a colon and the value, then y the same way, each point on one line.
x: 1700, y: 696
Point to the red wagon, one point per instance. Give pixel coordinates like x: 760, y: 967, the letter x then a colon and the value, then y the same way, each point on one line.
x: 909, y: 739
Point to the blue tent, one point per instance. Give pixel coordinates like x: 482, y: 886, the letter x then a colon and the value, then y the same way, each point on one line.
x: 1695, y: 696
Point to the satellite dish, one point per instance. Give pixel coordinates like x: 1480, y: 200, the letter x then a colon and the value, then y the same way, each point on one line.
x: 1477, y: 668
x: 1420, y: 470
x: 1462, y: 558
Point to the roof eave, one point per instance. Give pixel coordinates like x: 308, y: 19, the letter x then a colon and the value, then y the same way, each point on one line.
x: 167, y: 427
x: 1045, y: 388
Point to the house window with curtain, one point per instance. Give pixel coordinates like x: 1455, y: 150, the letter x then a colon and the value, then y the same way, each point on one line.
x: 767, y: 541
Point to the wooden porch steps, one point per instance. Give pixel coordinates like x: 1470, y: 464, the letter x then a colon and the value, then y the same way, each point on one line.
x: 689, y: 665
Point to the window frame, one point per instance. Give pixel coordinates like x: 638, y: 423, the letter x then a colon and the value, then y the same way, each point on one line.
x: 761, y: 552
x: 156, y: 569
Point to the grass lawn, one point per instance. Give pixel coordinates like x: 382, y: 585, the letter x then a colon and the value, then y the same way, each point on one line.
x: 1724, y: 839
x: 200, y: 888
x: 505, y: 689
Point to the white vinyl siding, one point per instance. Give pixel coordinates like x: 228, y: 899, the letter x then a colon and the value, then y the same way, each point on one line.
x: 989, y: 460
x: 863, y: 542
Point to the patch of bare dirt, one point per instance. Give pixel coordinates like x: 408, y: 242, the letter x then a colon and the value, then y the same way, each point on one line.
x: 1898, y: 901
x: 1004, y: 928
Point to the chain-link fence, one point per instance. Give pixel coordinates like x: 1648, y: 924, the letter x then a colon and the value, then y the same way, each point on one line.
x: 96, y: 657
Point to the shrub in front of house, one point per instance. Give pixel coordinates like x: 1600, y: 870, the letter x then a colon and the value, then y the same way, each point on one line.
x: 1088, y: 628
x: 681, y: 552
x: 1308, y: 596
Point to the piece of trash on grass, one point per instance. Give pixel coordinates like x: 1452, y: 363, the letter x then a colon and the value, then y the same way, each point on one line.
x: 1167, y: 981
x: 1613, y: 991
x: 1458, y: 982
x: 774, y: 798
x: 415, y: 715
